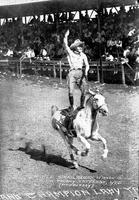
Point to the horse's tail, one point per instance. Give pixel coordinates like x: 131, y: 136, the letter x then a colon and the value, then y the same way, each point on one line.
x: 53, y: 110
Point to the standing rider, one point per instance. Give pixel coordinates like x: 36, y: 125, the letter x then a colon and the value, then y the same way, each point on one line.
x: 76, y: 59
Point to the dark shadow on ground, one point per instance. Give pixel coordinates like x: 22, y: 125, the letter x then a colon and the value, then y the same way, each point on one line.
x: 50, y: 159
x: 41, y: 155
x: 90, y: 170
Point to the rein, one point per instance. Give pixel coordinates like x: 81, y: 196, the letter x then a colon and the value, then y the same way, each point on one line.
x: 93, y: 100
x: 92, y: 125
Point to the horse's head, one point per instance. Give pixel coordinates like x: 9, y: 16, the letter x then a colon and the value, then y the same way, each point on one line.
x: 97, y: 102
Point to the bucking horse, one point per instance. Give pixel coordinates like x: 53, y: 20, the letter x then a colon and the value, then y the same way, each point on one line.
x: 82, y: 124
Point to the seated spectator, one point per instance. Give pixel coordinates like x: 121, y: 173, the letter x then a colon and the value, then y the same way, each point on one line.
x: 131, y: 32
x: 126, y: 55
x: 136, y: 42
x: 9, y: 52
x: 108, y: 57
x: 118, y: 43
x: 1, y: 54
x: 44, y: 54
x: 29, y: 53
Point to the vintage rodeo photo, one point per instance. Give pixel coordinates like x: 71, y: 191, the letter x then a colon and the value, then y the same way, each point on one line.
x: 69, y: 100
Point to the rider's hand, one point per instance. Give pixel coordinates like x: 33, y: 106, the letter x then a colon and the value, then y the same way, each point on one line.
x: 67, y: 33
x: 86, y: 76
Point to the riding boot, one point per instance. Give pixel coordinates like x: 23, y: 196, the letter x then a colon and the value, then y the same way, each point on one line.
x: 82, y: 101
x: 71, y: 101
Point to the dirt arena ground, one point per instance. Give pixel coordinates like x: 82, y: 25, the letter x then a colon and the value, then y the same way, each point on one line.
x: 26, y: 172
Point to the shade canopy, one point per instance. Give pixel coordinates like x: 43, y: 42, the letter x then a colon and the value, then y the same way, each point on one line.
x: 53, y: 6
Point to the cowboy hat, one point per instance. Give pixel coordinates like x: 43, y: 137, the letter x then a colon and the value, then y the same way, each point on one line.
x: 76, y: 43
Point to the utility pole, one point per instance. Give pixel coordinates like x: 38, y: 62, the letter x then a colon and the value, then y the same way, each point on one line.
x: 99, y: 31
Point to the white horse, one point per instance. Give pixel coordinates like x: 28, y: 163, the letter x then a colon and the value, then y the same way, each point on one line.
x: 82, y: 124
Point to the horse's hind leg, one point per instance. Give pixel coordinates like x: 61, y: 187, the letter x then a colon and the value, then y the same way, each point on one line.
x: 70, y: 141
x: 69, y: 146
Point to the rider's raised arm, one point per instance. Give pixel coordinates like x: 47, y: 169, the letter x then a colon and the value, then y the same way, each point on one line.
x: 66, y: 46
x: 86, y: 64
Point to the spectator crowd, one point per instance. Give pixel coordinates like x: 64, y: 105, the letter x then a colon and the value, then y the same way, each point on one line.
x: 44, y: 39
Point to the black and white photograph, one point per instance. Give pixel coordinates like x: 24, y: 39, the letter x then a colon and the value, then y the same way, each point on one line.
x: 69, y: 100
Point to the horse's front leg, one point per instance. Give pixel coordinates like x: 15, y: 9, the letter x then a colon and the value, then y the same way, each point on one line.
x: 98, y: 137
x: 85, y: 143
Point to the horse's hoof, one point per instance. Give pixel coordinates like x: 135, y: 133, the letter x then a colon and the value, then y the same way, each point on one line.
x: 75, y: 164
x: 105, y: 154
x: 104, y: 157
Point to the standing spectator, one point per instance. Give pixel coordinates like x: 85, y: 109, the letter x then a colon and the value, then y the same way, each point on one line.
x: 37, y: 46
x: 76, y: 58
x: 126, y: 54
x: 136, y: 78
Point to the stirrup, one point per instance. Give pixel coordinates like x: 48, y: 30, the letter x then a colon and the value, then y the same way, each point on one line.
x: 70, y: 108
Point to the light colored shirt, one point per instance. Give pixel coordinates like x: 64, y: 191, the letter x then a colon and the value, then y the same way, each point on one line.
x: 30, y: 53
x: 110, y: 58
x: 137, y: 53
x: 126, y: 53
x: 9, y: 53
x: 76, y: 60
x: 43, y: 52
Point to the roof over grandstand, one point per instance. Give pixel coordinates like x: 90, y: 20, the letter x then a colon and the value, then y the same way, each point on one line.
x: 14, y: 8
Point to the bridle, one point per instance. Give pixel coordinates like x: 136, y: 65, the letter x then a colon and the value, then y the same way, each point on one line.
x: 92, y: 98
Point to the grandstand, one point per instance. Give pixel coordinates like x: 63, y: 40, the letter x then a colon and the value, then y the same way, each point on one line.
x: 34, y: 7
x: 47, y: 21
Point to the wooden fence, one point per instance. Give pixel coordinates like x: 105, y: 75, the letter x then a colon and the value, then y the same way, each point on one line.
x: 60, y: 66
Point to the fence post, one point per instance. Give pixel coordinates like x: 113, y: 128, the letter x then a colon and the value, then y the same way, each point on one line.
x: 20, y: 68
x: 17, y: 68
x: 60, y: 70
x: 98, y: 75
x: 54, y: 71
x: 123, y: 74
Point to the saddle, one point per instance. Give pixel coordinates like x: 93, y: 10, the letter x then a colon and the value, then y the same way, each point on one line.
x: 68, y: 121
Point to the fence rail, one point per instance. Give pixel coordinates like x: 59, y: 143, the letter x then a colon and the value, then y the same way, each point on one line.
x: 61, y: 66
